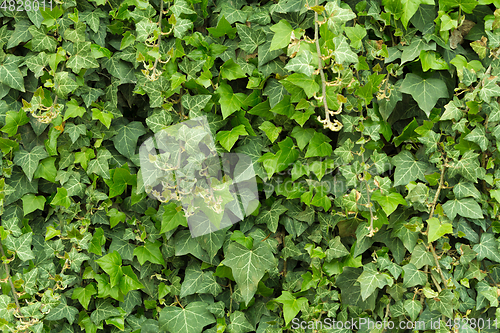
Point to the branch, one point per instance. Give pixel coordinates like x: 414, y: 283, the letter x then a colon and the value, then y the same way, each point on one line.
x: 8, y: 277
x: 436, y: 197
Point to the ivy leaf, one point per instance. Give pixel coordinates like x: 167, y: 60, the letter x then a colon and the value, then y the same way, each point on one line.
x: 73, y: 110
x: 407, y: 169
x: 223, y: 28
x: 271, y: 216
x: 467, y: 6
x: 413, y: 308
x: 291, y: 305
x: 29, y: 161
x: 319, y: 146
x: 343, y: 53
x: 371, y: 279
x: 451, y: 111
x: 229, y: 102
x: 191, y: 319
x: 301, y: 63
x: 489, y: 90
x: 412, y: 276
x: 195, y: 103
x: 149, y: 252
x: 356, y: 35
x: 61, y: 311
x: 487, y: 248
x: 129, y: 280
x: 32, y: 202
x: 103, y: 310
x: 83, y: 295
x: 125, y: 140
x: 61, y: 198
x: 13, y: 120
x: 248, y: 266
x: 21, y: 245
x: 425, y: 91
x: 173, y: 217
x: 307, y: 83
x: 272, y: 132
x: 74, y: 131
x: 420, y: 256
x: 417, y: 45
x: 193, y: 279
x: 463, y: 207
x: 82, y: 57
x: 409, y: 8
x: 466, y: 189
x: 111, y: 264
x: 11, y: 76
x: 250, y: 38
x: 64, y: 84
x: 478, y: 135
x: 239, y: 323
x: 282, y: 34
x: 231, y: 70
x: 228, y: 138
x: 389, y: 202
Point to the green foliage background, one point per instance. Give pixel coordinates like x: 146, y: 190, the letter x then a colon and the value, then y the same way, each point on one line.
x: 374, y: 129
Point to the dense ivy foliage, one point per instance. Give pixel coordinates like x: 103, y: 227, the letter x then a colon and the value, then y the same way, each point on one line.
x: 373, y: 128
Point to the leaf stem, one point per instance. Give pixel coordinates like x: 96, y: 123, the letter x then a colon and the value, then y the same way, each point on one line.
x: 436, y: 197
x: 9, y: 278
x: 320, y: 64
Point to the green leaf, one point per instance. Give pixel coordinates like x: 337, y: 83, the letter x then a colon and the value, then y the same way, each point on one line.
x: 250, y: 38
x: 111, y: 264
x: 47, y: 170
x: 463, y: 207
x: 231, y: 71
x: 301, y: 63
x: 420, y: 256
x: 64, y: 84
x: 407, y: 169
x: 228, y: 138
x: 82, y: 57
x: 239, y: 323
x: 173, y: 217
x: 417, y: 45
x: 11, y: 76
x: 271, y: 216
x: 103, y: 310
x: 149, y: 252
x: 115, y: 217
x: 282, y: 34
x: 413, y: 277
x: 467, y: 6
x: 192, y: 319
x: 229, y: 102
x: 371, y: 279
x: 29, y: 161
x: 305, y: 82
x: 271, y: 130
x: 61, y: 198
x: 319, y: 146
x: 356, y: 35
x: 291, y: 305
x: 389, y: 202
x: 129, y: 280
x: 487, y: 248
x: 409, y: 8
x: 21, y: 245
x: 466, y: 189
x: 413, y: 308
x: 478, y: 135
x: 73, y: 110
x: 248, y: 266
x: 425, y: 91
x: 32, y: 202
x: 83, y: 295
x: 125, y: 140
x: 343, y: 53
x: 223, y: 28
x: 193, y: 279
x: 13, y: 120
x: 489, y: 90
x: 195, y: 103
x: 61, y: 311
